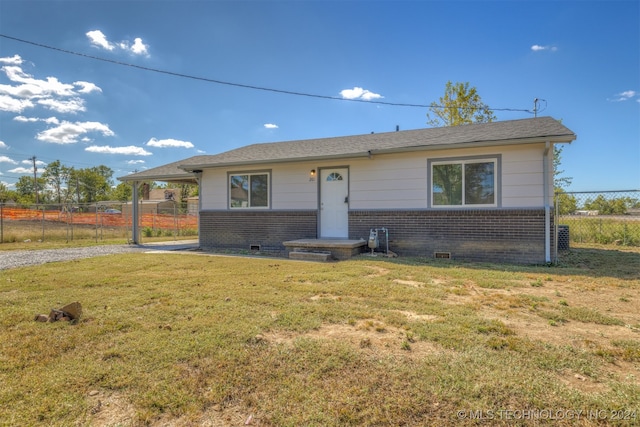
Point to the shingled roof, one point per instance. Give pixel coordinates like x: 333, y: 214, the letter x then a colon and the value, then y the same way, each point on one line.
x: 523, y: 131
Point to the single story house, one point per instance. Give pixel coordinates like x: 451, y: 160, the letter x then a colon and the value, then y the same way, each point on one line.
x: 480, y: 192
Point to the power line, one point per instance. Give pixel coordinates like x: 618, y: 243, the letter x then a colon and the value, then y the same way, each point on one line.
x: 241, y: 85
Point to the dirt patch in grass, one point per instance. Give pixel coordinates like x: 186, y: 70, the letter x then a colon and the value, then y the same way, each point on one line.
x: 215, y: 416
x: 379, y: 271
x: 413, y: 283
x: 369, y: 335
x: 582, y: 382
x: 586, y: 314
x: 109, y: 409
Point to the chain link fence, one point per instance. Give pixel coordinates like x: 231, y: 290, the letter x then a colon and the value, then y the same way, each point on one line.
x: 609, y: 218
x: 96, y: 221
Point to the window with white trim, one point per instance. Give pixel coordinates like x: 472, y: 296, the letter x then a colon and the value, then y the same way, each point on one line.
x: 249, y: 190
x: 465, y: 182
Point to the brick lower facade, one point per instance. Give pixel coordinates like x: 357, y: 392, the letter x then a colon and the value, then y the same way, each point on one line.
x: 264, y: 229
x: 493, y: 235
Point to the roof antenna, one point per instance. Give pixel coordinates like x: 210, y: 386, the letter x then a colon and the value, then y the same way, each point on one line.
x: 535, y: 107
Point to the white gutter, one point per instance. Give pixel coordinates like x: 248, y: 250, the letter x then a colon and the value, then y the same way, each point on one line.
x: 547, y: 210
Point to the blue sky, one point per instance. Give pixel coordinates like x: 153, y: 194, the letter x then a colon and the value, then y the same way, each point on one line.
x: 580, y: 58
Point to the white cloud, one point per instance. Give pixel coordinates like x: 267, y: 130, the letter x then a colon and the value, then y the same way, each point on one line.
x: 130, y: 150
x: 13, y: 105
x: 164, y: 143
x: 24, y: 119
x: 70, y: 106
x: 99, y: 40
x: 270, y: 126
x: 135, y: 162
x: 21, y: 170
x: 359, y: 93
x: 69, y: 133
x: 539, y: 48
x: 3, y: 145
x: 13, y: 60
x: 200, y: 151
x: 26, y: 92
x: 5, y: 159
x: 30, y: 162
x: 50, y: 120
x: 87, y: 87
x: 139, y: 48
x: 625, y: 96
x: 31, y: 86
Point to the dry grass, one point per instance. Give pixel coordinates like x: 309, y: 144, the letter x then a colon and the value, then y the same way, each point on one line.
x: 192, y: 339
x: 33, y: 235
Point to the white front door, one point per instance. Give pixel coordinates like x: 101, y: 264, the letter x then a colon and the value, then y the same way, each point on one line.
x: 334, y: 203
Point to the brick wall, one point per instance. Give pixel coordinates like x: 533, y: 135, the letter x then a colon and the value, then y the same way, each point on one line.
x: 498, y: 235
x: 268, y: 229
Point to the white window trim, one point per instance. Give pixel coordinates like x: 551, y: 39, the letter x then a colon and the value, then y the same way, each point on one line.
x: 231, y: 174
x: 497, y: 181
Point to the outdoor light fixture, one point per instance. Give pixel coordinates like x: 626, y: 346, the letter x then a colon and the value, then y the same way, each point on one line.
x: 312, y: 175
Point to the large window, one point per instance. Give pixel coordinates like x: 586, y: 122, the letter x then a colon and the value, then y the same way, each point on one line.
x: 249, y: 190
x: 466, y: 182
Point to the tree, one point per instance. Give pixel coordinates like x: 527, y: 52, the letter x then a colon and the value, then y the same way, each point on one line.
x: 459, y: 105
x: 121, y: 192
x: 604, y: 206
x: 6, y: 194
x: 26, y: 189
x: 559, y: 182
x: 93, y: 183
x: 58, y: 176
x: 566, y: 203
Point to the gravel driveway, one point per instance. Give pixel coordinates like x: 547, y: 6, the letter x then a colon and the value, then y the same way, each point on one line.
x: 13, y: 259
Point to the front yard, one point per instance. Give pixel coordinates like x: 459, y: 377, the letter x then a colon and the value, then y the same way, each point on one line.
x: 194, y: 339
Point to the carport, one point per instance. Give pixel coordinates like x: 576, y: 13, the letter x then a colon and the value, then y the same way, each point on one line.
x: 171, y: 172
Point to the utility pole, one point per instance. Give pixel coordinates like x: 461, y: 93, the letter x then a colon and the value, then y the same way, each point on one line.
x: 35, y: 178
x: 78, y: 191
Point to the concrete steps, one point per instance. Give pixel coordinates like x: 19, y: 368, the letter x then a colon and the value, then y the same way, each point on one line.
x: 310, y: 256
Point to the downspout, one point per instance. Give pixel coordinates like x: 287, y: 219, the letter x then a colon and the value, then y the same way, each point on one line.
x: 547, y: 209
x: 198, y: 175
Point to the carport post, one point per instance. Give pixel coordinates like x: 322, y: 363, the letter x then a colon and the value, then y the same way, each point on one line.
x: 135, y: 232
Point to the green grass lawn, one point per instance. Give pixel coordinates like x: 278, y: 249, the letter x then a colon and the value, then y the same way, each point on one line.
x: 194, y: 339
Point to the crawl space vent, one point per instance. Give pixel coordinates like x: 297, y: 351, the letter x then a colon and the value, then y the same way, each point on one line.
x: 442, y: 255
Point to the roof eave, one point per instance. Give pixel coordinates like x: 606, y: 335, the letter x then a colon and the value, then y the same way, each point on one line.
x: 192, y: 168
x: 186, y: 178
x: 554, y: 139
